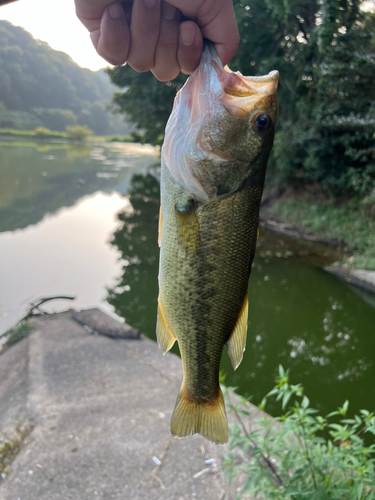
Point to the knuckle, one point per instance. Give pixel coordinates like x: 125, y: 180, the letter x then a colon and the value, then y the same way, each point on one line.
x: 168, y: 41
x: 140, y: 66
x: 165, y: 76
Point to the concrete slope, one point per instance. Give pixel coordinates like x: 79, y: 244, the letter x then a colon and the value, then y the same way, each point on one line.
x: 101, y: 409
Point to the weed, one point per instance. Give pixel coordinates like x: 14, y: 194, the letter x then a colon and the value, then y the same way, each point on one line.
x: 10, y: 446
x: 351, y: 224
x: 294, y: 460
x: 21, y: 330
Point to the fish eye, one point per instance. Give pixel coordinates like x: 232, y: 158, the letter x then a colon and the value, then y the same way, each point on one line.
x: 262, y: 122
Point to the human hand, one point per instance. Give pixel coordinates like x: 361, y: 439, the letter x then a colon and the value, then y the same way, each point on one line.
x: 165, y: 37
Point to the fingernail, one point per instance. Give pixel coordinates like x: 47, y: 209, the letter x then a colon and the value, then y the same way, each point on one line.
x: 150, y: 4
x: 116, y: 11
x: 187, y: 35
x: 168, y: 11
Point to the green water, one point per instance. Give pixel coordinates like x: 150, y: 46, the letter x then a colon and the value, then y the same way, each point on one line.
x: 300, y: 316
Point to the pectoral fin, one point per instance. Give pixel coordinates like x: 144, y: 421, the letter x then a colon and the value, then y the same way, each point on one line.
x: 237, y: 341
x: 165, y: 337
x: 188, y: 230
x: 160, y: 224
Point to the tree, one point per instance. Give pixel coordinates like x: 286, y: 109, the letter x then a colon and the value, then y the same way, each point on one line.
x: 325, y: 53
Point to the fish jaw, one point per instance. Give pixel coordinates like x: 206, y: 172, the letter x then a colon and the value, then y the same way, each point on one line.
x: 212, y: 144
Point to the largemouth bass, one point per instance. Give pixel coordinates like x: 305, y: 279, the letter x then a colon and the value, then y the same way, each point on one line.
x: 217, y: 143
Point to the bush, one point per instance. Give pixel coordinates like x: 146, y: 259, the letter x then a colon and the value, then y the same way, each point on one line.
x: 308, y: 456
x: 42, y: 132
x: 78, y: 132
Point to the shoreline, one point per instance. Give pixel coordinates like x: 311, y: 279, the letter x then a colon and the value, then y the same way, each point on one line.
x: 362, y: 278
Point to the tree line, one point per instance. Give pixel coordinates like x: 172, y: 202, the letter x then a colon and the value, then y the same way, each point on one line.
x: 42, y: 87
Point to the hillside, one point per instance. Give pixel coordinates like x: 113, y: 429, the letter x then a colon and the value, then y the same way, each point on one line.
x: 40, y: 86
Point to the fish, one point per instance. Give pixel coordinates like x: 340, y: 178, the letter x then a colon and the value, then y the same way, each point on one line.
x: 213, y: 164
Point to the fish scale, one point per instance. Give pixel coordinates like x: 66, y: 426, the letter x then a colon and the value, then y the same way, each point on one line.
x: 208, y: 230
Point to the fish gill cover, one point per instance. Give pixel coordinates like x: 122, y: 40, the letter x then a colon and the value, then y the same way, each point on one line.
x: 213, y: 98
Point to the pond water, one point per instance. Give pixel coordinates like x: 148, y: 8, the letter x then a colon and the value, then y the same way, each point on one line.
x: 83, y: 221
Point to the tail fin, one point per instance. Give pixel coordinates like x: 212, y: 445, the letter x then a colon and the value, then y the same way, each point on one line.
x: 208, y: 419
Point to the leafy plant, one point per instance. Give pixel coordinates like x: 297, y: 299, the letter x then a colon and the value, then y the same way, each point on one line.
x: 42, y: 132
x: 78, y: 132
x: 303, y: 455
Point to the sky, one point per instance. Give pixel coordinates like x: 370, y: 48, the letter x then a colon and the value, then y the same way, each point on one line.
x: 55, y: 22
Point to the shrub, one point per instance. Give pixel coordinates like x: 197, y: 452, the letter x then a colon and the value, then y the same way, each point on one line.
x: 42, y: 132
x: 308, y: 456
x: 78, y: 132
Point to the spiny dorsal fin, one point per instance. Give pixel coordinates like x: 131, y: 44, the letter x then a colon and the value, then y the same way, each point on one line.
x: 237, y: 341
x: 160, y: 225
x: 209, y: 419
x: 165, y: 337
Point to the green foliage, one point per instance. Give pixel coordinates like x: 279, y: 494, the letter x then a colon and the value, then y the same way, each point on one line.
x: 20, y: 331
x: 42, y: 132
x: 32, y: 75
x: 56, y: 119
x: 305, y: 455
x: 43, y: 87
x: 351, y: 224
x: 78, y: 132
x: 146, y: 101
x: 325, y: 53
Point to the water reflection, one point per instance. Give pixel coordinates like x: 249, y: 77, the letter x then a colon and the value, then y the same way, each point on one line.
x: 135, y: 295
x: 39, y: 179
x: 57, y: 212
x: 300, y: 316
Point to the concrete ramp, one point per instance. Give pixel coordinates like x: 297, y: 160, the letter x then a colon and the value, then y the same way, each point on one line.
x: 101, y: 409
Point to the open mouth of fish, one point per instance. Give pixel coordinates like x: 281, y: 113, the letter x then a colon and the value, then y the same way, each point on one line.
x: 243, y: 93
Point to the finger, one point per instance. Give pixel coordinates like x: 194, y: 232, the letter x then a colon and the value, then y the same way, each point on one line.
x: 90, y: 13
x: 189, y: 47
x: 144, y: 30
x: 217, y: 22
x: 222, y: 30
x: 166, y: 67
x: 112, y: 40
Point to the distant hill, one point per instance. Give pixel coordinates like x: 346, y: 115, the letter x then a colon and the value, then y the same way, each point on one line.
x: 40, y: 86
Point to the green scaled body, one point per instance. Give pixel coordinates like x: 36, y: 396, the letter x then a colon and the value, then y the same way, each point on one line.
x: 208, y: 236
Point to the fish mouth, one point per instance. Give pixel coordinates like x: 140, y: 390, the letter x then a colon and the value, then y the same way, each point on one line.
x: 243, y: 94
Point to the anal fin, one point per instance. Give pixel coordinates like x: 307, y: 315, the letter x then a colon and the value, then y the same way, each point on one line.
x: 165, y: 337
x: 237, y: 341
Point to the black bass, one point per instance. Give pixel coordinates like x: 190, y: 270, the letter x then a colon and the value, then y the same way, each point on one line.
x: 217, y: 143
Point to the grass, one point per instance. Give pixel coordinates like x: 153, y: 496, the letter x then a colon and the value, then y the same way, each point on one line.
x: 352, y: 224
x: 50, y: 134
x: 18, y: 332
x: 10, y: 446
